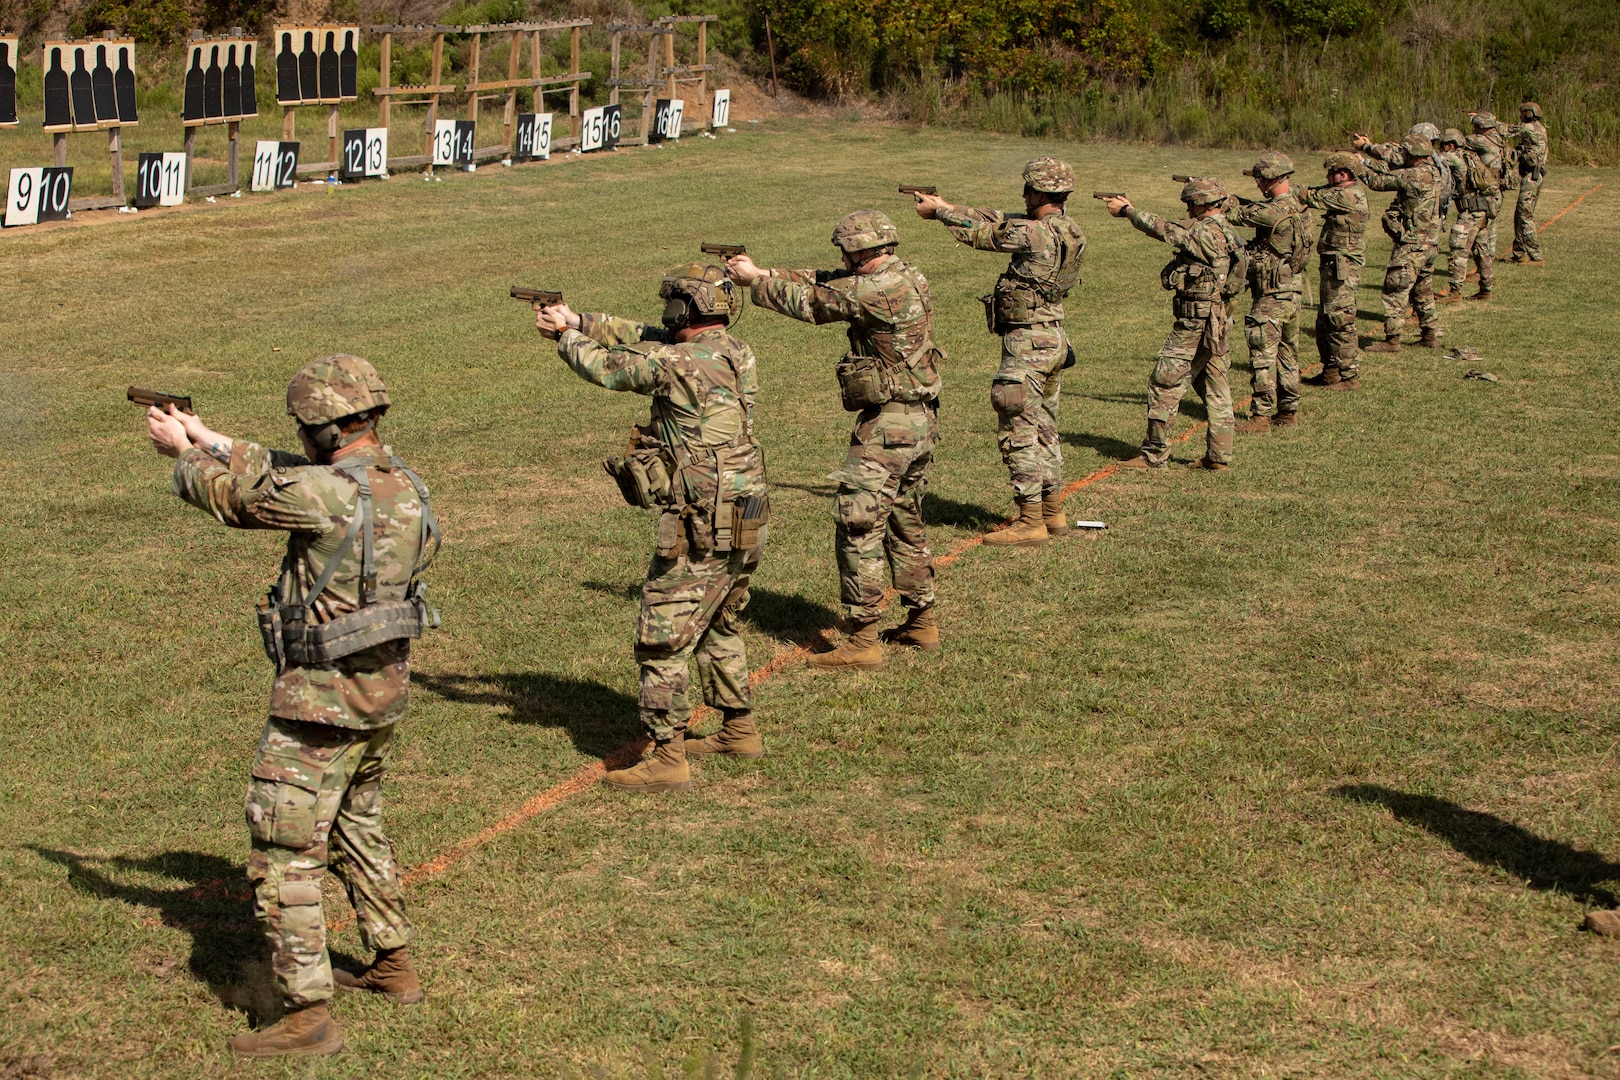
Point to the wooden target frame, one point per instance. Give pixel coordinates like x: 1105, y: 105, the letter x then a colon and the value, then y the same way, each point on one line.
x: 319, y: 81
x: 94, y: 101
x: 662, y: 73
x: 243, y: 53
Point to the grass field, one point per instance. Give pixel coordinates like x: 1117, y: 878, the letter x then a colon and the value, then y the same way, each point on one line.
x: 1302, y: 769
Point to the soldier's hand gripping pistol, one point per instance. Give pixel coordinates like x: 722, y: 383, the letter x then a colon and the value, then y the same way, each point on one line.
x: 552, y: 316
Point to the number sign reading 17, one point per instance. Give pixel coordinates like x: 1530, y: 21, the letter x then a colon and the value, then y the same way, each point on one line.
x: 161, y: 180
x: 599, y: 128
x: 667, y: 116
x: 365, y: 153
x: 721, y: 117
x: 453, y: 142
x: 275, y: 165
x: 37, y: 195
x: 533, y: 137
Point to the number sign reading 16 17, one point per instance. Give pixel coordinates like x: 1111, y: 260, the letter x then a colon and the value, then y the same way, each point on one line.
x: 275, y: 165
x: 161, y: 180
x: 365, y: 153
x: 38, y: 195
x: 533, y: 140
x: 599, y: 128
x: 667, y: 116
x: 453, y: 142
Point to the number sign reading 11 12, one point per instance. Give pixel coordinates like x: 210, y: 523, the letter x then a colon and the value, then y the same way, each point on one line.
x: 37, y: 195
x: 275, y: 165
x: 599, y: 128
x: 453, y: 142
x: 365, y: 153
x: 161, y: 180
x: 533, y: 139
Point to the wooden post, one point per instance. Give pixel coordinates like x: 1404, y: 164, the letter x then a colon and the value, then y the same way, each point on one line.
x: 573, y: 65
x: 115, y: 154
x: 334, y: 152
x: 59, y: 147
x: 289, y: 125
x: 510, y: 116
x: 385, y: 111
x: 433, y: 98
x: 613, y: 79
x: 669, y: 61
x: 703, y: 74
x: 472, y: 78
x: 191, y: 149
x: 647, y: 93
x: 233, y: 133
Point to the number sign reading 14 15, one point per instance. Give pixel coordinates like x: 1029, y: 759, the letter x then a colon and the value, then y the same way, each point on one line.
x: 599, y: 128
x: 161, y: 180
x: 38, y: 195
x: 275, y: 165
x: 453, y: 142
x: 667, y: 116
x: 365, y: 153
x: 533, y: 139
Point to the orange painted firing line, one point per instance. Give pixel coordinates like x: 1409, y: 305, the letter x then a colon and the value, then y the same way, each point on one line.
x: 1565, y: 210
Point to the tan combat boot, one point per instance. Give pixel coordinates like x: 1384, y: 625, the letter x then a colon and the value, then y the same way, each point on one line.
x: 310, y: 1031
x: 1028, y: 530
x: 1052, y: 516
x: 737, y: 737
x: 1206, y: 463
x: 1473, y: 275
x: 1330, y: 376
x: 1352, y: 383
x: 1389, y: 344
x: 1430, y: 339
x: 919, y: 631
x: 861, y: 652
x: 665, y: 769
x: 390, y: 975
x: 1140, y: 461
x: 1483, y: 294
x: 1285, y: 419
x: 1254, y: 425
x: 1606, y: 923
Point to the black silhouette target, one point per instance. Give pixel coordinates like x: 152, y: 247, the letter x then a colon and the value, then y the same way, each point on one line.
x: 124, y: 84
x: 309, y: 79
x: 191, y: 106
x: 8, y: 81
x: 82, y: 90
x: 349, y: 65
x: 250, y: 92
x: 101, y: 85
x: 58, y: 101
x: 286, y: 70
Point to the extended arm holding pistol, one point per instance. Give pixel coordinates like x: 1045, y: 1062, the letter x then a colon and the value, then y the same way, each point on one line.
x: 725, y: 251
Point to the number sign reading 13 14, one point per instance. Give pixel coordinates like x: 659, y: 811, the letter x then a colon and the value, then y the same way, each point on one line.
x: 275, y: 165
x: 599, y: 128
x: 533, y: 139
x: 37, y: 195
x: 161, y: 180
x: 365, y: 153
x: 453, y: 142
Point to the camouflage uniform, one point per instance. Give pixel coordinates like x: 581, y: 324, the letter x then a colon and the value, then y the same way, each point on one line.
x: 317, y: 777
x: 701, y: 435
x: 1206, y: 251
x: 1027, y: 312
x: 1478, y: 198
x: 1490, y: 142
x: 1453, y: 182
x: 1342, y: 252
x: 1532, y: 170
x: 1412, y: 224
x: 878, y: 507
x: 1282, y: 240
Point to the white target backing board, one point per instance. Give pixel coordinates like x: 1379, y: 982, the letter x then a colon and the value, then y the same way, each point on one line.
x: 365, y: 153
x: 160, y: 180
x: 532, y: 141
x: 219, y: 81
x: 668, y: 114
x: 8, y: 82
x: 36, y: 195
x: 453, y: 142
x: 275, y: 165
x: 599, y: 127
x: 721, y: 115
x: 316, y: 64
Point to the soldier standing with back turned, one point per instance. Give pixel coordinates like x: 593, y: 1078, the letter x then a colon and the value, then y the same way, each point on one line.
x: 1412, y: 222
x: 1342, y: 252
x: 1532, y: 169
x: 1474, y: 165
x: 1026, y: 311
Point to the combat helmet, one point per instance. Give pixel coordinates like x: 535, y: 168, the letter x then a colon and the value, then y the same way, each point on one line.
x: 695, y: 286
x: 1417, y: 146
x: 1341, y: 162
x: 330, y: 388
x: 1453, y: 136
x: 1484, y: 121
x: 1049, y: 175
x: 1202, y: 191
x: 864, y: 230
x: 1272, y: 166
x: 1530, y: 107
x: 1425, y: 129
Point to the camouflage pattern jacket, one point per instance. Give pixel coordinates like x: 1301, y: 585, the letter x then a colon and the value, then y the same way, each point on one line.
x: 1414, y: 217
x: 1206, y: 251
x: 1045, y: 264
x: 1453, y: 178
x: 1344, y: 220
x: 702, y: 394
x: 270, y: 489
x: 1281, y: 244
x: 1481, y: 161
x: 890, y: 313
x: 1532, y: 147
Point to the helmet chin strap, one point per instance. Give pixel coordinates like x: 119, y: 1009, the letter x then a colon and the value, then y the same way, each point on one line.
x: 330, y: 438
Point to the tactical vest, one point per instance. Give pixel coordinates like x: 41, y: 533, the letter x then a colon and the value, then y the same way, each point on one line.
x: 1279, y: 253
x: 876, y: 371
x: 1198, y: 286
x: 289, y: 634
x: 1480, y: 183
x: 1406, y: 221
x: 1343, y: 232
x: 1018, y: 297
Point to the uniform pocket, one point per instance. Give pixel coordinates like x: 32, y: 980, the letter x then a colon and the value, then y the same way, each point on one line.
x: 279, y: 812
x: 1008, y: 398
x: 858, y: 505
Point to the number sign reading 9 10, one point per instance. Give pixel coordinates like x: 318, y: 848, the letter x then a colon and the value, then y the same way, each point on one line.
x: 533, y: 138
x: 365, y: 153
x: 275, y: 165
x: 453, y: 142
x: 37, y: 195
x: 599, y: 128
x: 161, y: 180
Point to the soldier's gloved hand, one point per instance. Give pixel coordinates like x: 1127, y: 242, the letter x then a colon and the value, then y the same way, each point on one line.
x: 1117, y: 205
x: 1360, y: 141
x: 167, y: 433
x: 929, y: 206
x: 553, y: 320
x: 741, y: 269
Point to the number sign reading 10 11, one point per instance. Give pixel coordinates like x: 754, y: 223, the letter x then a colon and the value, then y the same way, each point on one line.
x: 721, y: 116
x: 161, y: 180
x: 275, y: 165
x: 667, y: 116
x: 37, y: 195
x: 599, y: 128
x: 453, y: 142
x: 365, y: 153
x: 533, y: 139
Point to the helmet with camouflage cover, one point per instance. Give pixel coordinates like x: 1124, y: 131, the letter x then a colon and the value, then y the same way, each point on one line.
x: 1452, y: 136
x: 1050, y: 175
x: 1272, y: 166
x: 332, y: 387
x: 1341, y: 162
x: 1484, y: 121
x: 864, y: 230
x: 1202, y: 191
x: 695, y: 286
x: 1530, y: 107
x: 1425, y: 129
x: 1417, y: 146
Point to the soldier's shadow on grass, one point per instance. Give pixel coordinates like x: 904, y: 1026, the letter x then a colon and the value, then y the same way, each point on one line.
x: 600, y: 720
x: 1545, y: 865
x: 1104, y: 445
x: 955, y: 514
x: 784, y: 616
x: 214, y: 906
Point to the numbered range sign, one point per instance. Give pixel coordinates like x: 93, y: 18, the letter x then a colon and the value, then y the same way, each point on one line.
x: 721, y: 116
x: 533, y: 140
x: 453, y: 142
x: 667, y: 116
x: 37, y: 195
x: 275, y: 165
x: 365, y: 153
x: 161, y: 180
x: 599, y: 128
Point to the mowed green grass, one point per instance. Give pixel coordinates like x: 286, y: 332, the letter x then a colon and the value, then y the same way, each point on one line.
x: 1306, y: 768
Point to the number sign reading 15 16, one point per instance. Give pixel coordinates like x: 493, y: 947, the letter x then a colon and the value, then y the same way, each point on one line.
x: 38, y: 195
x: 161, y: 180
x: 365, y: 153
x: 453, y: 142
x: 275, y: 165
x: 599, y: 128
x: 533, y: 140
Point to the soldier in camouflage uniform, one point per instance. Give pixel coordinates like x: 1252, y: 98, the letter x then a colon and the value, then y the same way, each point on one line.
x: 1475, y: 168
x: 1490, y: 141
x: 1342, y: 252
x: 1453, y: 179
x: 338, y: 627
x: 1412, y: 224
x: 1207, y: 269
x: 1532, y: 169
x: 890, y: 380
x: 695, y: 461
x: 1278, y: 254
x: 1026, y: 311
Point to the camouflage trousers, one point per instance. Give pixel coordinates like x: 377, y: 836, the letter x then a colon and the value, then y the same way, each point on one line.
x: 1195, y: 353
x: 1336, y: 342
x: 1526, y: 243
x: 1469, y: 242
x: 1410, y: 277
x: 690, y: 606
x: 1488, y: 238
x: 313, y: 787
x: 1272, y: 329
x: 878, y: 509
x: 1024, y: 394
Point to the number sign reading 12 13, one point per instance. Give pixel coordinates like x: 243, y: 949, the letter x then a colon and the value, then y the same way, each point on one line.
x: 365, y: 153
x: 453, y: 142
x: 599, y: 128
x: 275, y: 165
x: 37, y: 195
x: 161, y: 180
x: 533, y: 139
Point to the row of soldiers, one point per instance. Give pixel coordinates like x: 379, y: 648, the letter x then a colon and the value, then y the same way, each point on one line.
x: 338, y: 624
